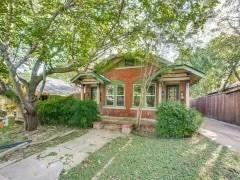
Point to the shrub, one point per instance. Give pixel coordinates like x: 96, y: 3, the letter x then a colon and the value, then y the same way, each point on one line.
x: 176, y: 120
x: 68, y: 111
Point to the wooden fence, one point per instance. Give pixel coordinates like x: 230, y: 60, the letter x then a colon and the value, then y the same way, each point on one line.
x: 224, y: 106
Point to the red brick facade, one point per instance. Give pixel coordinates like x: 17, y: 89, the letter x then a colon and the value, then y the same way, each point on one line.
x: 128, y: 76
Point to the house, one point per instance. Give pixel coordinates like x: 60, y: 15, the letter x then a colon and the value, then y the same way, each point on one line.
x: 56, y: 87
x: 10, y: 107
x: 115, y: 85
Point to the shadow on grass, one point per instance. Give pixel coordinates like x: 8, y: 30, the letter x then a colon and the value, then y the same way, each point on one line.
x: 154, y: 158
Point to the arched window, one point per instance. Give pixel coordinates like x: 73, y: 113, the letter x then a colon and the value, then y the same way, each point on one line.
x: 115, y: 94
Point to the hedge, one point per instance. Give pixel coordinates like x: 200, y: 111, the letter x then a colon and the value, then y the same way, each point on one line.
x: 68, y: 111
x: 176, y: 120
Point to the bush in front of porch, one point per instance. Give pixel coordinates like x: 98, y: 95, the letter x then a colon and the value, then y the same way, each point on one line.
x: 68, y: 111
x: 176, y: 120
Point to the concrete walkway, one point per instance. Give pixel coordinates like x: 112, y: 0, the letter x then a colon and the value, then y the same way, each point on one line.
x: 223, y: 133
x: 48, y: 164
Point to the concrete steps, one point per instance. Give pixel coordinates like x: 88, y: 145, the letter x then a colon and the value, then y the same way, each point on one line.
x: 124, y: 125
x: 121, y: 126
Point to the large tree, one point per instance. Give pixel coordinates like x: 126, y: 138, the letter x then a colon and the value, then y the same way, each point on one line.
x: 43, y: 37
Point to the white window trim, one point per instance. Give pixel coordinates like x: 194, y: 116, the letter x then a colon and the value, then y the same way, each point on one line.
x: 115, y: 95
x: 144, y: 106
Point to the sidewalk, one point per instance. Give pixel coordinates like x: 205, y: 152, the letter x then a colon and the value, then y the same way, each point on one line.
x: 48, y: 164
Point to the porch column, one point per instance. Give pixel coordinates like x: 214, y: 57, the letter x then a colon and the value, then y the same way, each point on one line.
x: 98, y: 94
x: 160, y: 93
x: 187, y: 94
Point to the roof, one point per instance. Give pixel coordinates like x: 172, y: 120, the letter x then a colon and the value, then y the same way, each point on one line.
x: 190, y: 69
x: 58, y: 87
x: 112, y: 62
x: 99, y: 78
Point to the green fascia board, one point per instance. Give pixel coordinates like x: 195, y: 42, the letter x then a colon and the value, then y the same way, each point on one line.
x: 188, y: 68
x: 99, y: 78
x: 110, y: 62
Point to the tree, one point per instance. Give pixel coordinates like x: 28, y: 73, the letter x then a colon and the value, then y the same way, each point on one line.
x: 220, y: 61
x: 46, y: 37
x: 227, y: 53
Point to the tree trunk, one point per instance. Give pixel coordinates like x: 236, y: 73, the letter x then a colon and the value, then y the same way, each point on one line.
x: 30, y: 118
x: 31, y: 122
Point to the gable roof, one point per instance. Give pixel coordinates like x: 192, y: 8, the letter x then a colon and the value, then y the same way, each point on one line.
x: 112, y: 61
x: 99, y: 78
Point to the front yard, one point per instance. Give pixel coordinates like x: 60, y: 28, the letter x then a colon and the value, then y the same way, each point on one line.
x: 138, y: 157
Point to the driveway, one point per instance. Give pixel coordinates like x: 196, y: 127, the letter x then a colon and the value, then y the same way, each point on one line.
x: 48, y: 164
x: 221, y: 132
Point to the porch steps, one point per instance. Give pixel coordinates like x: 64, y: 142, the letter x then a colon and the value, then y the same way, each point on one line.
x: 124, y: 124
x: 114, y: 125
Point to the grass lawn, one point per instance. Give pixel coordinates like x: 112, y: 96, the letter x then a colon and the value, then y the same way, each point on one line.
x: 154, y: 158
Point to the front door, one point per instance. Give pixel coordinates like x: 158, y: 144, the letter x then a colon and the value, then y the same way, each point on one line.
x: 172, y: 92
x: 94, y: 95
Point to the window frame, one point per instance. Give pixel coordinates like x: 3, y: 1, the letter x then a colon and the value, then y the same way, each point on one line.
x: 145, y: 99
x: 167, y: 91
x: 115, y: 94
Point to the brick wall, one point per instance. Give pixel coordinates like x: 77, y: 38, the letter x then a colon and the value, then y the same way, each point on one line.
x: 128, y: 76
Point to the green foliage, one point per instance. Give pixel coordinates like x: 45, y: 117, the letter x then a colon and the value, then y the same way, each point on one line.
x: 3, y: 70
x: 176, y: 120
x: 68, y: 111
x: 220, y: 58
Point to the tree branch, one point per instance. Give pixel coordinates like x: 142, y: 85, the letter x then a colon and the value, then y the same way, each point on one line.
x: 32, y: 49
x: 4, y: 50
x: 236, y: 74
x: 3, y: 87
x: 61, y: 69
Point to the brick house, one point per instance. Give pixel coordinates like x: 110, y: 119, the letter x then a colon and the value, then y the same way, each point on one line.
x: 116, y: 86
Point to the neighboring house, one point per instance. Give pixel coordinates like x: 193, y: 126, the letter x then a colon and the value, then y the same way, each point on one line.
x: 57, y: 87
x: 116, y: 86
x: 10, y: 107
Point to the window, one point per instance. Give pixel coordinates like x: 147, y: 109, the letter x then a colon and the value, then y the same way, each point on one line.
x: 128, y: 62
x: 150, y: 96
x: 172, y: 92
x: 115, y: 95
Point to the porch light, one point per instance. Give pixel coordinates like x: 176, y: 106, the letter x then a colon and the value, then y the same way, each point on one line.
x: 181, y: 95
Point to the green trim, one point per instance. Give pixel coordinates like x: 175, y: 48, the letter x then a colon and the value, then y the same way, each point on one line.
x: 113, y: 61
x: 100, y: 78
x: 189, y: 68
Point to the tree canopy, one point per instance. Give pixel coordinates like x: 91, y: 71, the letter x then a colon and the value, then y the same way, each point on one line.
x: 220, y: 61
